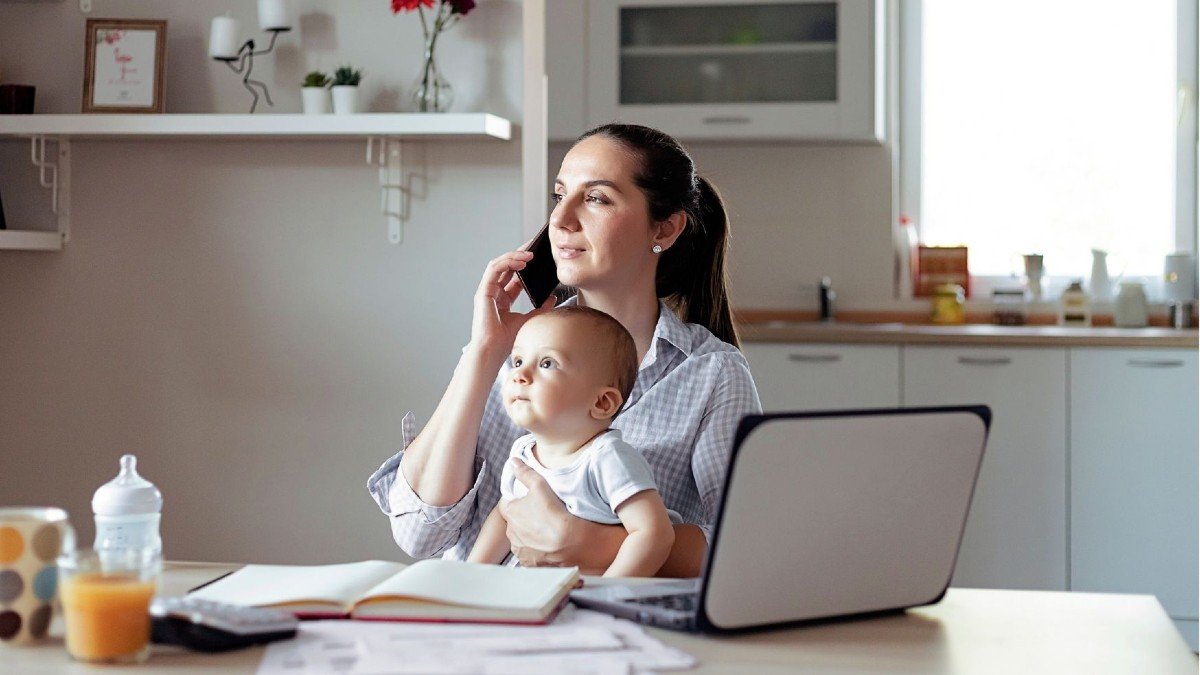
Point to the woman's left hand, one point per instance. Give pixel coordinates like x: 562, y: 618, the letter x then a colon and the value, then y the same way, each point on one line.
x: 544, y: 534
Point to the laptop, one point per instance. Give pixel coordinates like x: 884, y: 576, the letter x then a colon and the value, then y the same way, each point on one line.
x: 824, y: 515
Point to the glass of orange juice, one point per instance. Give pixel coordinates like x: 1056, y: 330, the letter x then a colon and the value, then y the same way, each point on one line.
x: 106, y: 603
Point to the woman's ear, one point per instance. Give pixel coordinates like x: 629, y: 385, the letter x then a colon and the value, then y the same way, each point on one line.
x: 670, y: 229
x: 608, y: 403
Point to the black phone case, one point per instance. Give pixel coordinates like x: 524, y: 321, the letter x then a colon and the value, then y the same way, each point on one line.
x: 540, y: 276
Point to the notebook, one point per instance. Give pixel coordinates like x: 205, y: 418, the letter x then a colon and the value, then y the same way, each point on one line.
x: 429, y: 590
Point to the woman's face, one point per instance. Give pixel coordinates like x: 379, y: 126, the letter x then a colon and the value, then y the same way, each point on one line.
x: 600, y: 227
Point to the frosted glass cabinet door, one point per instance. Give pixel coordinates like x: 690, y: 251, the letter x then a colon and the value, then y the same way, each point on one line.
x: 1133, y: 474
x: 786, y: 69
x: 824, y: 377
x: 1016, y: 534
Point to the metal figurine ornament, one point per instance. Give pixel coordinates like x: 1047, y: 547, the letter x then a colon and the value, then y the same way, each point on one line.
x: 272, y: 18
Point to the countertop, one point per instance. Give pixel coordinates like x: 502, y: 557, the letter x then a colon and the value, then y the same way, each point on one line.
x: 966, y: 334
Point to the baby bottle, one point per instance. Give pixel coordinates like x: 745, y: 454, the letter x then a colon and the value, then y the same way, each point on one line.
x: 128, y: 509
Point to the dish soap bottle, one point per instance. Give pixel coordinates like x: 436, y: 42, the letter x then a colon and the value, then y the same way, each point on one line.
x: 1075, y: 308
x: 128, y: 509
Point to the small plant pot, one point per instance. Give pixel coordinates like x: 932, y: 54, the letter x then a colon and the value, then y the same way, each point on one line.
x: 345, y: 99
x: 315, y: 100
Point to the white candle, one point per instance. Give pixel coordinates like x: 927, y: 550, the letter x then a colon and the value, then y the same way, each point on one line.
x: 223, y: 40
x: 272, y: 14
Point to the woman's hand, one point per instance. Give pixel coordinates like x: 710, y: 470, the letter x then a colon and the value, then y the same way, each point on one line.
x: 494, y: 326
x: 542, y: 533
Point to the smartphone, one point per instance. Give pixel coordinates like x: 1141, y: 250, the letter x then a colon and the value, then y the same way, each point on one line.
x: 540, y: 276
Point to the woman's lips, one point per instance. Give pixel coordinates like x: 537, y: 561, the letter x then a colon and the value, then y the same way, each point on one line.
x: 568, y: 253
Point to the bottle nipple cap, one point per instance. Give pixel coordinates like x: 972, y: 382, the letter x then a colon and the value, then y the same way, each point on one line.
x: 127, y: 494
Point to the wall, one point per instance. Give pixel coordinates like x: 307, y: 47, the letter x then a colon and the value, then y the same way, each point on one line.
x: 230, y: 311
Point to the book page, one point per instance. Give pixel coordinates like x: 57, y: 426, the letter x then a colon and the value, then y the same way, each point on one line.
x: 261, y: 585
x: 477, y: 585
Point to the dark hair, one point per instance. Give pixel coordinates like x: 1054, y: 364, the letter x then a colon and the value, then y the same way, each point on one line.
x: 619, y: 346
x: 691, y: 274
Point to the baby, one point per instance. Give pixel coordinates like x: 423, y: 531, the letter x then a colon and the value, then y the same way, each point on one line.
x: 572, y: 370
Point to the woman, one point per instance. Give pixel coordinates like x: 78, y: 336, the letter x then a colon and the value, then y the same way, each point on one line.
x: 632, y: 223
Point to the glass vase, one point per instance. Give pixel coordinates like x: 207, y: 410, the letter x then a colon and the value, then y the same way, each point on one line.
x: 431, y: 93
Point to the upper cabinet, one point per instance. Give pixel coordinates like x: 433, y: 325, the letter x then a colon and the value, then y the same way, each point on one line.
x: 720, y: 69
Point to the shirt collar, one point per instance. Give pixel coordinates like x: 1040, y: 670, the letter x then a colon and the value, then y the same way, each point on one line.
x: 669, y: 329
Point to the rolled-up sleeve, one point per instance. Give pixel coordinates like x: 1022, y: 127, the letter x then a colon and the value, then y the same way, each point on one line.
x: 422, y: 530
x: 733, y: 397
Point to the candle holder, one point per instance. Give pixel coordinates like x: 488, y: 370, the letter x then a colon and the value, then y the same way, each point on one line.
x: 245, y: 64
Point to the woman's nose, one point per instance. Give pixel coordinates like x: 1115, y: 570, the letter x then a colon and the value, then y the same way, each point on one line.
x: 563, y: 217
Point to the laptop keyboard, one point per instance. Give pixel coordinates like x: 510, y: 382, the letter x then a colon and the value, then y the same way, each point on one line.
x: 684, y: 602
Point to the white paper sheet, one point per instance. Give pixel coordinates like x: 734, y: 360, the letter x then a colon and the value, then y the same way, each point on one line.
x: 579, y: 641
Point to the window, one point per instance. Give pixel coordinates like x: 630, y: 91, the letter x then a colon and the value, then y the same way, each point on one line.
x: 1051, y: 127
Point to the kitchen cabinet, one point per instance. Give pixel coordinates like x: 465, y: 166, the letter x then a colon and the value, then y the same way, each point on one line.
x: 825, y: 377
x: 1134, y: 470
x: 721, y: 69
x: 1016, y: 534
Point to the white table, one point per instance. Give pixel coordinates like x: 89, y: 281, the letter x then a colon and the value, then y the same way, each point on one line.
x: 969, y: 631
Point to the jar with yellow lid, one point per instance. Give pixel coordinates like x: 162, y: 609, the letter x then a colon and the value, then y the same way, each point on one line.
x: 948, y: 305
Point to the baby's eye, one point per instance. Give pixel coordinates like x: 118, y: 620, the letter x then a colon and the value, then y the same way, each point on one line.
x: 514, y: 361
x: 546, y: 363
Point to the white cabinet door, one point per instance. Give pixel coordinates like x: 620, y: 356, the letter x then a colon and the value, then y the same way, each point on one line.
x: 566, y: 58
x: 723, y: 69
x: 1016, y: 534
x: 824, y: 377
x: 1134, y: 474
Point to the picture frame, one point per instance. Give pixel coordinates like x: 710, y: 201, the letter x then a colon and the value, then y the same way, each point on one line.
x: 124, y: 64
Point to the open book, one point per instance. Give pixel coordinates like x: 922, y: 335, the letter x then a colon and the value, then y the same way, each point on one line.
x: 429, y: 590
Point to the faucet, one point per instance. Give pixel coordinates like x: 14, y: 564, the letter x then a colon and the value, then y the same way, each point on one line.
x: 826, y: 296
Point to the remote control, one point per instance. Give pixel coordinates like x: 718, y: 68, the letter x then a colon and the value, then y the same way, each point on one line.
x: 208, y: 626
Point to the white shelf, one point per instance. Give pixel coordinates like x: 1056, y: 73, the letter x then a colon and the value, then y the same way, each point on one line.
x: 29, y: 240
x: 424, y: 126
x: 384, y: 132
x: 731, y: 50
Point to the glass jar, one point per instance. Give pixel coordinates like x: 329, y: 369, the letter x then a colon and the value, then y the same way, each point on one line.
x: 948, y: 305
x: 1008, y: 307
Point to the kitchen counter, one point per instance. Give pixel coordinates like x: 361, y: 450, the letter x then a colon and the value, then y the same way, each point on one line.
x: 966, y: 334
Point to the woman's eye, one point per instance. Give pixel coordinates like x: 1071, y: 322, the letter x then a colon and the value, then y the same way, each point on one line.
x: 546, y: 363
x: 556, y: 198
x: 599, y: 199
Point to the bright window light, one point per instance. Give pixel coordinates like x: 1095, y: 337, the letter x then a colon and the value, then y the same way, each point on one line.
x: 1049, y: 127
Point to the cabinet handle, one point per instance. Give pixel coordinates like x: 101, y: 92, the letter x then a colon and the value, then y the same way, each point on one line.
x: 815, y: 358
x: 1155, y: 363
x: 985, y: 360
x: 727, y: 119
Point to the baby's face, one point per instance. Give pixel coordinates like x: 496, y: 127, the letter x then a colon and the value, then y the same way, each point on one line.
x: 556, y: 377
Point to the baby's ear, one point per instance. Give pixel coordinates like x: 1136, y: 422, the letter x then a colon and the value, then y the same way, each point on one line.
x: 608, y: 403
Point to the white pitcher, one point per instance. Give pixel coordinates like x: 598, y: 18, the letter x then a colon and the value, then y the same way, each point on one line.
x: 1100, y: 284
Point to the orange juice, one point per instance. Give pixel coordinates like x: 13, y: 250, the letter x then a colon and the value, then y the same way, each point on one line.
x: 107, y: 615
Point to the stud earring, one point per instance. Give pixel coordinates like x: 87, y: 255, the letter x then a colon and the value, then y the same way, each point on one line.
x: 657, y: 249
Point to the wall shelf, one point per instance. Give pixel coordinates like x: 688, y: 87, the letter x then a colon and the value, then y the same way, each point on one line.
x: 384, y: 132
x: 422, y: 126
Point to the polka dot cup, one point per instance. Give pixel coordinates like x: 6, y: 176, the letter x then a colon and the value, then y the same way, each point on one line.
x: 30, y: 540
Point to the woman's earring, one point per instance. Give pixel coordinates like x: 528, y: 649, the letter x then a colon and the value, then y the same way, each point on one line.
x: 657, y: 249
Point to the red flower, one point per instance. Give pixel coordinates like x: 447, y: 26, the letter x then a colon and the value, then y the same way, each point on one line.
x: 409, y: 5
x: 459, y: 6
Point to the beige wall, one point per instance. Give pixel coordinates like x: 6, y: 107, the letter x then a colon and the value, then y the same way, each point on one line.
x: 231, y: 312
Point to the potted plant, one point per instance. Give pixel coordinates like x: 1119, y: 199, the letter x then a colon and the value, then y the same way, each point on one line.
x: 315, y: 93
x: 345, y: 90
